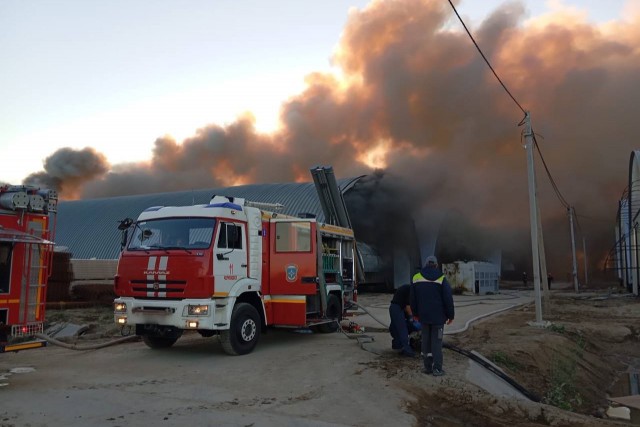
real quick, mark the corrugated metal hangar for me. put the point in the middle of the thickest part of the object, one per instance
(88, 228)
(625, 255)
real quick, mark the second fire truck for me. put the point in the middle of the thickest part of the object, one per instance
(27, 227)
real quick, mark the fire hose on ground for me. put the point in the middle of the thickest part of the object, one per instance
(59, 343)
(482, 362)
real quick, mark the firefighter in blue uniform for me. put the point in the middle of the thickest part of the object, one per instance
(432, 302)
(400, 314)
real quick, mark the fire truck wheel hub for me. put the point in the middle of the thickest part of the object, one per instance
(248, 330)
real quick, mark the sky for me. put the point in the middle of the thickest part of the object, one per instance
(114, 98)
(116, 75)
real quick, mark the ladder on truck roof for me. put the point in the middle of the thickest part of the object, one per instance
(331, 200)
(333, 206)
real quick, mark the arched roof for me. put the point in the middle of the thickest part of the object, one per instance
(89, 227)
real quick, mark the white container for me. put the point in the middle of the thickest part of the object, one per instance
(475, 277)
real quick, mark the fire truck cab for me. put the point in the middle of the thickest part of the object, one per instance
(27, 219)
(232, 269)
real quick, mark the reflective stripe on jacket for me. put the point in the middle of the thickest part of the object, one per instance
(418, 277)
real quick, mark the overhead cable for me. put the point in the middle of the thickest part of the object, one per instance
(551, 180)
(485, 58)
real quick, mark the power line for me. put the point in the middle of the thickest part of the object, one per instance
(551, 180)
(485, 58)
(556, 190)
(577, 222)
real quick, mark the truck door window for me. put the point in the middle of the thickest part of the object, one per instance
(230, 236)
(293, 237)
(5, 266)
(200, 238)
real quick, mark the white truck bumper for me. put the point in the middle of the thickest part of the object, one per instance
(208, 314)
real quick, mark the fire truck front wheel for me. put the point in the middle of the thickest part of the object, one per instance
(244, 330)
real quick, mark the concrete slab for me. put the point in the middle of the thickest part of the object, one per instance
(65, 330)
(487, 380)
(630, 401)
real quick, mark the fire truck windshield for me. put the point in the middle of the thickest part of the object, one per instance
(173, 233)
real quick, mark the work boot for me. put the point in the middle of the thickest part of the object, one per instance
(438, 372)
(395, 344)
(408, 352)
(428, 363)
(427, 371)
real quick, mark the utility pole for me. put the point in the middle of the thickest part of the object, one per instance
(574, 273)
(584, 251)
(634, 258)
(543, 268)
(533, 213)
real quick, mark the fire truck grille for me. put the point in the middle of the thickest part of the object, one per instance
(159, 288)
(27, 330)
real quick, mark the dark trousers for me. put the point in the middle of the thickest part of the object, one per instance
(432, 346)
(398, 328)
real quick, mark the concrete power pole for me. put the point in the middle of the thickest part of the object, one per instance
(543, 268)
(574, 273)
(584, 251)
(533, 213)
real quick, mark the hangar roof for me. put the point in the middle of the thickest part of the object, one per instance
(89, 227)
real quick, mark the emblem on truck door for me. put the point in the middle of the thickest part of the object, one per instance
(292, 272)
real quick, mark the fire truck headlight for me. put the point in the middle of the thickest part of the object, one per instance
(121, 320)
(120, 307)
(198, 310)
(192, 324)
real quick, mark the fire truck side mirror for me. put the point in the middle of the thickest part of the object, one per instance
(125, 223)
(124, 227)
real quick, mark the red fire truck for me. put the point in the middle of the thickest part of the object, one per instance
(231, 268)
(27, 228)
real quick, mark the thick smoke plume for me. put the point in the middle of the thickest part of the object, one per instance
(68, 170)
(415, 95)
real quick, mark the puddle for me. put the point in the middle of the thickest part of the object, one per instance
(4, 377)
(22, 370)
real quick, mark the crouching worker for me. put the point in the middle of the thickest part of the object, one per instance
(432, 301)
(400, 312)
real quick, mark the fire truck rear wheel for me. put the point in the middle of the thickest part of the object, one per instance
(334, 310)
(244, 331)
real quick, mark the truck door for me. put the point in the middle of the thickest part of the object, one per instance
(230, 255)
(293, 269)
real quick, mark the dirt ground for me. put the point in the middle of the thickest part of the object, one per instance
(573, 365)
(591, 342)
